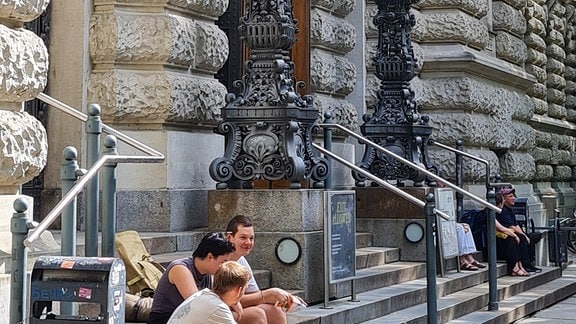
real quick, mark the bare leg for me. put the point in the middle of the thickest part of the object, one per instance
(274, 314)
(253, 315)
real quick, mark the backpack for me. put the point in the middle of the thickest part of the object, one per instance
(142, 273)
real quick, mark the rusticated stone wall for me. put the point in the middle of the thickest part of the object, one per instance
(550, 39)
(23, 74)
(332, 75)
(472, 83)
(153, 67)
(154, 61)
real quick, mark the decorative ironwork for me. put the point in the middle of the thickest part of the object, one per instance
(41, 27)
(396, 123)
(268, 128)
(232, 69)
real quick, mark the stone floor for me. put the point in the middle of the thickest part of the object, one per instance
(563, 312)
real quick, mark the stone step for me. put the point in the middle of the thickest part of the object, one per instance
(397, 295)
(372, 256)
(459, 294)
(527, 302)
(471, 299)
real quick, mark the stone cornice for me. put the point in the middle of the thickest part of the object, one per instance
(462, 59)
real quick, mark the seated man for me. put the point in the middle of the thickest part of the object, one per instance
(185, 276)
(507, 218)
(213, 306)
(256, 306)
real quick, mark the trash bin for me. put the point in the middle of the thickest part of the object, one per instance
(94, 284)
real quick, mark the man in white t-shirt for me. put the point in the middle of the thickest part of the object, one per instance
(256, 306)
(213, 306)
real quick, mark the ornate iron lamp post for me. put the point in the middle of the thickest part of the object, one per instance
(268, 129)
(396, 123)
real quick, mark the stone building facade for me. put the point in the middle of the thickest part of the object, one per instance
(498, 75)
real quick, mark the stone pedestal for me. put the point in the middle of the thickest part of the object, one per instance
(168, 196)
(385, 214)
(276, 214)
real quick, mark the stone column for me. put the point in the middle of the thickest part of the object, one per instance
(153, 75)
(24, 69)
(333, 73)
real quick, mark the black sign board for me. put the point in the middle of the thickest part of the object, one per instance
(340, 230)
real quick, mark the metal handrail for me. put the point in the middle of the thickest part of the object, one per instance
(388, 186)
(105, 128)
(468, 155)
(415, 166)
(153, 157)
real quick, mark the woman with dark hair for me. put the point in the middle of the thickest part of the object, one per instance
(184, 277)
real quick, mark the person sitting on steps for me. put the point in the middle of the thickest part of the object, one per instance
(213, 305)
(466, 247)
(184, 277)
(511, 246)
(508, 219)
(256, 306)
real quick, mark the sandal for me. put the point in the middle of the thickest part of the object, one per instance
(468, 266)
(520, 273)
(478, 264)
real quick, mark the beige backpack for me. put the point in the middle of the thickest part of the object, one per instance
(142, 273)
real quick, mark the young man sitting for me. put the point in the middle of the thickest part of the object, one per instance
(213, 306)
(257, 306)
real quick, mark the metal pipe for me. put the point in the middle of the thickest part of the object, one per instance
(105, 128)
(388, 186)
(459, 180)
(19, 228)
(492, 275)
(109, 199)
(93, 131)
(557, 238)
(415, 166)
(79, 186)
(328, 146)
(468, 155)
(62, 106)
(68, 175)
(130, 141)
(431, 297)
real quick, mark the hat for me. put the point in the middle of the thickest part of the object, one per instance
(507, 191)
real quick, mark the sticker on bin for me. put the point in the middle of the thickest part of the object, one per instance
(85, 293)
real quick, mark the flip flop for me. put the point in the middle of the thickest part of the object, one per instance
(520, 273)
(468, 266)
(478, 264)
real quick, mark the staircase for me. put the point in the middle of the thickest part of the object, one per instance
(393, 291)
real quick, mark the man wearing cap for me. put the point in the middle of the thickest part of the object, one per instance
(508, 219)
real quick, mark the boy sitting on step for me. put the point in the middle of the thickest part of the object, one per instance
(256, 306)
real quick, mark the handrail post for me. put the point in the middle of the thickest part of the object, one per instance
(328, 146)
(430, 260)
(109, 198)
(557, 238)
(459, 179)
(69, 171)
(492, 275)
(93, 131)
(19, 227)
